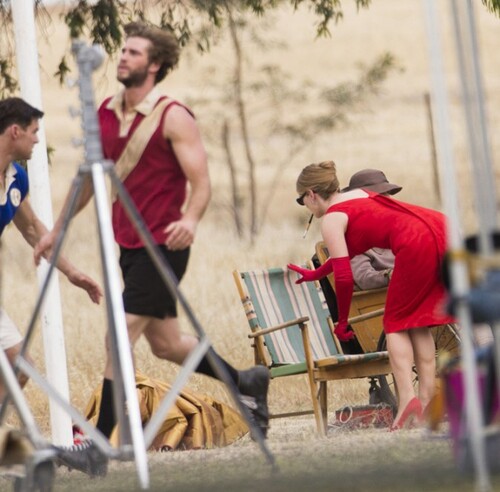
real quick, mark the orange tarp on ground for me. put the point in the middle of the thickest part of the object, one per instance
(194, 422)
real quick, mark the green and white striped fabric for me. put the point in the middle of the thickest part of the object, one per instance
(275, 298)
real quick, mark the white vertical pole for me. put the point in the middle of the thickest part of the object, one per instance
(460, 283)
(475, 117)
(53, 337)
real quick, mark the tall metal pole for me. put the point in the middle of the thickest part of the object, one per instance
(475, 118)
(477, 132)
(459, 274)
(52, 326)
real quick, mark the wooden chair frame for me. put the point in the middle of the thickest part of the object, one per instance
(320, 370)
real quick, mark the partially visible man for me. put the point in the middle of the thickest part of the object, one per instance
(158, 152)
(18, 135)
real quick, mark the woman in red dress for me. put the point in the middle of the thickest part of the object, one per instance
(358, 220)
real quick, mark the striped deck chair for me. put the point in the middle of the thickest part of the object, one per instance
(292, 334)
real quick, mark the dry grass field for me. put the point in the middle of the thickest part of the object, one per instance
(391, 134)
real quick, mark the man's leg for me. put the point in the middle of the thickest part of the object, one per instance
(169, 343)
(12, 354)
(11, 342)
(106, 420)
(85, 455)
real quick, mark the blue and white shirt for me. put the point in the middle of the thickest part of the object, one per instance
(16, 189)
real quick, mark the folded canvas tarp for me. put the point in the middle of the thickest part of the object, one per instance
(194, 422)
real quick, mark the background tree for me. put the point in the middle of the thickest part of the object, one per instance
(101, 21)
(192, 20)
(201, 22)
(271, 109)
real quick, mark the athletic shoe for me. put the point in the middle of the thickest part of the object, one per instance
(253, 385)
(78, 435)
(85, 457)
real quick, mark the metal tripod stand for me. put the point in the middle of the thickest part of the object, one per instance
(39, 465)
(473, 102)
(134, 441)
(39, 469)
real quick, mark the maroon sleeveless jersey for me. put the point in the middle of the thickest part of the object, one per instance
(157, 184)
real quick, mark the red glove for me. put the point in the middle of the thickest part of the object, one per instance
(310, 275)
(344, 285)
(342, 332)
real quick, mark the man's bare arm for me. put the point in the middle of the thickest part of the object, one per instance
(45, 243)
(32, 229)
(181, 129)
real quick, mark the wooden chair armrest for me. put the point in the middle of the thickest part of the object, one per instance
(265, 331)
(363, 292)
(364, 317)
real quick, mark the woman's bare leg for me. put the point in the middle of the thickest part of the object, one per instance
(399, 346)
(424, 351)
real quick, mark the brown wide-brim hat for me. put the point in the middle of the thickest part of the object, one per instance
(373, 180)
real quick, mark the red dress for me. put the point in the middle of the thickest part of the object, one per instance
(417, 237)
(157, 183)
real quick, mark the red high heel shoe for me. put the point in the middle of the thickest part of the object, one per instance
(411, 414)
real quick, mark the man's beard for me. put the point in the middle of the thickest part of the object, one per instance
(134, 79)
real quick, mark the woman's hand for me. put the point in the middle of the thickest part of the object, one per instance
(343, 333)
(307, 275)
(311, 275)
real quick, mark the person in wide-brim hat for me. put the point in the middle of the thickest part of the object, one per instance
(373, 180)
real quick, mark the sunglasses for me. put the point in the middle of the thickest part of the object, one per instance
(300, 200)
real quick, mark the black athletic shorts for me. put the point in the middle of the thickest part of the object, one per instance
(145, 293)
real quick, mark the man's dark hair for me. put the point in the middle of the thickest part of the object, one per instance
(16, 111)
(164, 48)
